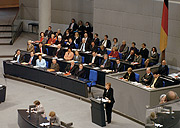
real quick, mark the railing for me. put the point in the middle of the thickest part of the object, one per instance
(16, 28)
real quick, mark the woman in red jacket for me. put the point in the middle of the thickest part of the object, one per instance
(114, 53)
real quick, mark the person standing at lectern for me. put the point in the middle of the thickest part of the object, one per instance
(108, 95)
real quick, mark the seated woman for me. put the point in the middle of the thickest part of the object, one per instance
(77, 57)
(39, 108)
(43, 39)
(114, 53)
(77, 39)
(69, 55)
(138, 59)
(54, 119)
(52, 40)
(134, 47)
(115, 44)
(40, 62)
(154, 57)
(130, 75)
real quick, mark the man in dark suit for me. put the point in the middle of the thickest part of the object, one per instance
(94, 61)
(84, 46)
(106, 43)
(80, 72)
(32, 59)
(72, 26)
(147, 78)
(108, 95)
(102, 50)
(163, 68)
(144, 52)
(70, 43)
(48, 32)
(157, 82)
(18, 56)
(130, 75)
(71, 68)
(93, 47)
(130, 57)
(96, 39)
(118, 67)
(59, 53)
(106, 63)
(87, 39)
(41, 49)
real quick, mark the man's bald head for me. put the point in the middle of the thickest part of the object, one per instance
(171, 95)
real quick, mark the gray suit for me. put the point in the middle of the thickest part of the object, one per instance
(138, 59)
(78, 58)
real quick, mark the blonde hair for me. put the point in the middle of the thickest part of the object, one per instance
(52, 114)
(109, 84)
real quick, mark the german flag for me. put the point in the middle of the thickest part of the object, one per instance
(164, 28)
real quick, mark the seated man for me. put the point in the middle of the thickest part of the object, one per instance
(69, 55)
(138, 59)
(80, 72)
(94, 61)
(70, 43)
(18, 56)
(59, 53)
(71, 68)
(54, 119)
(118, 67)
(163, 68)
(130, 75)
(171, 95)
(41, 48)
(93, 47)
(30, 46)
(106, 63)
(147, 78)
(124, 49)
(130, 57)
(54, 65)
(102, 50)
(40, 62)
(157, 82)
(106, 43)
(48, 32)
(32, 59)
(84, 46)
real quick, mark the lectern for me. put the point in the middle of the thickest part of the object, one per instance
(97, 112)
(2, 93)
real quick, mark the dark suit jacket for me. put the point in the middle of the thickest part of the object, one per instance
(74, 27)
(131, 77)
(96, 61)
(108, 45)
(33, 62)
(72, 45)
(80, 74)
(102, 52)
(43, 50)
(68, 68)
(148, 78)
(96, 41)
(144, 53)
(163, 70)
(133, 48)
(93, 49)
(131, 58)
(86, 46)
(78, 40)
(158, 84)
(89, 41)
(118, 69)
(21, 58)
(107, 65)
(59, 54)
(48, 34)
(109, 95)
(60, 42)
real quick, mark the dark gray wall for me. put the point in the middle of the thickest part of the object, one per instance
(62, 10)
(139, 21)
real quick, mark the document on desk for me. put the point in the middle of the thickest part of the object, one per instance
(158, 125)
(96, 68)
(45, 124)
(106, 70)
(35, 66)
(87, 52)
(59, 73)
(13, 61)
(60, 59)
(85, 64)
(54, 46)
(43, 55)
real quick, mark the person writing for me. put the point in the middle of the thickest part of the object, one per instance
(54, 119)
(39, 108)
(108, 95)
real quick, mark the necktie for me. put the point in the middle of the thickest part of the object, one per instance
(104, 63)
(40, 50)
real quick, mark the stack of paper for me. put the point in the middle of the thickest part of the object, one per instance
(59, 72)
(60, 59)
(13, 61)
(158, 125)
(35, 66)
(103, 100)
(45, 124)
(85, 64)
(106, 70)
(96, 68)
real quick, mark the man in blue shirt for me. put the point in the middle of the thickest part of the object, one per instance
(41, 62)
